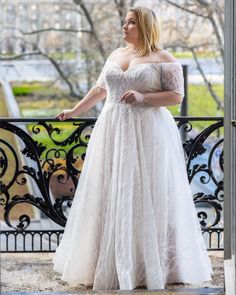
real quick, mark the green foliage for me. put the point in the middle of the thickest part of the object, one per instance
(27, 89)
(37, 89)
(200, 103)
(63, 56)
(44, 107)
(46, 101)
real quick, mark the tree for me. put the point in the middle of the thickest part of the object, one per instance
(197, 16)
(99, 36)
(100, 33)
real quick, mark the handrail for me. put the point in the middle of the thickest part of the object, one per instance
(50, 119)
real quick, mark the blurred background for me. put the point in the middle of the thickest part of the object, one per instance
(51, 52)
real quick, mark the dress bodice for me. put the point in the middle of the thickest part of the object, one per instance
(143, 77)
(125, 226)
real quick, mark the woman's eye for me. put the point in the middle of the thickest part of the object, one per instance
(130, 22)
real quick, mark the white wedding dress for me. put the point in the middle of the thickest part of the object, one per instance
(133, 221)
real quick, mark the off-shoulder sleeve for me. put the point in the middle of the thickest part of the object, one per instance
(101, 81)
(172, 77)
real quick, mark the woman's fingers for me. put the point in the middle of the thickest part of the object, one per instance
(60, 116)
(63, 115)
(125, 96)
(132, 96)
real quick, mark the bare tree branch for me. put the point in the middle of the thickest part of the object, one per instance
(213, 14)
(61, 73)
(210, 16)
(218, 101)
(47, 30)
(121, 6)
(91, 24)
(19, 56)
(193, 49)
(220, 15)
(53, 62)
(56, 30)
(217, 33)
(186, 9)
(64, 8)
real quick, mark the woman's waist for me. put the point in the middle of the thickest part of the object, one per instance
(142, 111)
(124, 105)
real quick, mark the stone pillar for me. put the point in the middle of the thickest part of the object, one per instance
(230, 147)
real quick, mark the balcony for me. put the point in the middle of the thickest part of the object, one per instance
(40, 164)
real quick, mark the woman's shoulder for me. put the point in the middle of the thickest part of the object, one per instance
(165, 56)
(117, 51)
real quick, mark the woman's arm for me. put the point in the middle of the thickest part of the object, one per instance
(94, 95)
(159, 99)
(162, 98)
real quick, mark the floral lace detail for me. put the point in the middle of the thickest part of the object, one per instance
(172, 77)
(101, 82)
(133, 221)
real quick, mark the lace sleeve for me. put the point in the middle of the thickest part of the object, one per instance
(101, 82)
(172, 77)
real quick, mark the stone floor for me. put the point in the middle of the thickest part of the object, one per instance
(165, 292)
(26, 273)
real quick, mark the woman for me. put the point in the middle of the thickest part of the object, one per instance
(133, 222)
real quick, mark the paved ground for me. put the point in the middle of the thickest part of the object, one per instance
(33, 273)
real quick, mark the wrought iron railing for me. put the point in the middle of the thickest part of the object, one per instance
(41, 166)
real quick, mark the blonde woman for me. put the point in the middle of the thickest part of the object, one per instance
(133, 222)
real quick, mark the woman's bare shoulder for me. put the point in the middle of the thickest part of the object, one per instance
(117, 51)
(165, 56)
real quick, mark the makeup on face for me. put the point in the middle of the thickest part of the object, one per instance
(126, 24)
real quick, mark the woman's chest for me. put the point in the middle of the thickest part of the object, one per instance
(145, 76)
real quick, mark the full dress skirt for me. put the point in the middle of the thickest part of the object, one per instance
(133, 221)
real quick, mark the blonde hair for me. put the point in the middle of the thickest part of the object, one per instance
(149, 30)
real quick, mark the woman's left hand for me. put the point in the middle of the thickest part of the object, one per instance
(131, 96)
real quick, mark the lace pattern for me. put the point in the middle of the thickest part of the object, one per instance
(172, 77)
(132, 220)
(168, 75)
(101, 82)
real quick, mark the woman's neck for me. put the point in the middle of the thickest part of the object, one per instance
(132, 49)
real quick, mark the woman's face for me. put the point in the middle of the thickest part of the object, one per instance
(130, 29)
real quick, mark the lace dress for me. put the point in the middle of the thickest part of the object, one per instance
(133, 221)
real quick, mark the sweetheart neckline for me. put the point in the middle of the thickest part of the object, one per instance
(143, 63)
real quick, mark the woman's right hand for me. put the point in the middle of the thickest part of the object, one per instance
(66, 114)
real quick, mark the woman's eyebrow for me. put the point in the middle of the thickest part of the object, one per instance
(130, 19)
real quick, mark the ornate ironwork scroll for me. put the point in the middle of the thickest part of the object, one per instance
(53, 153)
(54, 161)
(205, 168)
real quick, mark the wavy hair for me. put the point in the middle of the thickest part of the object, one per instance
(149, 30)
